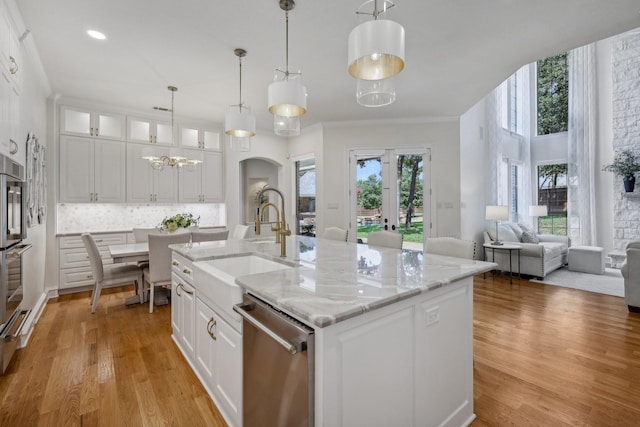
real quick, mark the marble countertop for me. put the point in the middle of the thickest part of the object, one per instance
(333, 280)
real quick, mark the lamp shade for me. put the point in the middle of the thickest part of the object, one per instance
(239, 123)
(538, 210)
(376, 50)
(287, 98)
(496, 213)
(376, 93)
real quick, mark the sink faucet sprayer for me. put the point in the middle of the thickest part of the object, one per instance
(280, 226)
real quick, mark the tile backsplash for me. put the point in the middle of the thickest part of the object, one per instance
(94, 217)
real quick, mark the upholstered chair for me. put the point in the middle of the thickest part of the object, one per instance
(208, 236)
(335, 233)
(111, 275)
(159, 271)
(241, 231)
(385, 239)
(450, 246)
(141, 234)
(631, 274)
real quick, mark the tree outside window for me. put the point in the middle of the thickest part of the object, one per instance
(552, 192)
(553, 94)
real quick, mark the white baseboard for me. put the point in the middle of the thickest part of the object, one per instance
(30, 323)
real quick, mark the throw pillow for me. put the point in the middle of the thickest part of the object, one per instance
(517, 230)
(529, 237)
(526, 227)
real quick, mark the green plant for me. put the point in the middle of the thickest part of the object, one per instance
(625, 164)
(184, 220)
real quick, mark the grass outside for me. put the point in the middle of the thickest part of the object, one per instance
(553, 224)
(413, 234)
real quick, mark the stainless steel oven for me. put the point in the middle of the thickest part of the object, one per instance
(12, 202)
(13, 230)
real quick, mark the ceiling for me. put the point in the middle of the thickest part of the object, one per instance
(456, 50)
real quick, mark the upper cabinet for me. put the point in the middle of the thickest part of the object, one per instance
(10, 56)
(146, 184)
(204, 183)
(85, 122)
(198, 137)
(149, 131)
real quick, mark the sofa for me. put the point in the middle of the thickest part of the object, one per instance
(540, 254)
(631, 272)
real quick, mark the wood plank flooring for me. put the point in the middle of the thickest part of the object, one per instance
(543, 356)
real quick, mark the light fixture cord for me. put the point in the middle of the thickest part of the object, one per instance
(172, 137)
(240, 105)
(375, 10)
(286, 72)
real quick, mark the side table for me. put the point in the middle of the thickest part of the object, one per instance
(505, 247)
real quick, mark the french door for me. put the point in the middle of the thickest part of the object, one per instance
(388, 191)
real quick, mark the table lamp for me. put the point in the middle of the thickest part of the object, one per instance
(496, 213)
(536, 211)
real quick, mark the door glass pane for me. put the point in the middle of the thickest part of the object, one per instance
(212, 140)
(410, 180)
(139, 130)
(189, 137)
(164, 133)
(306, 197)
(77, 121)
(369, 195)
(110, 126)
(552, 192)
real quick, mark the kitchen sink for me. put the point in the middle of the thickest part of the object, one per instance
(215, 279)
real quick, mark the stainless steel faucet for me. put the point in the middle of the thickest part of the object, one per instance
(281, 228)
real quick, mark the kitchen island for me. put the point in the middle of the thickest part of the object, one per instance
(393, 329)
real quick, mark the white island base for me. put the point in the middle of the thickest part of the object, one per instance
(407, 364)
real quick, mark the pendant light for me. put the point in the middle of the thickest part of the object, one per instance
(375, 56)
(287, 97)
(176, 159)
(239, 123)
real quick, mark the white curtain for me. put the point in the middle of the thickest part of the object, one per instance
(494, 137)
(581, 212)
(526, 196)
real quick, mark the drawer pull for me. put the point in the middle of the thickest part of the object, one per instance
(181, 286)
(175, 263)
(210, 326)
(186, 271)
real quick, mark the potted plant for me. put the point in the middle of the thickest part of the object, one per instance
(626, 165)
(184, 220)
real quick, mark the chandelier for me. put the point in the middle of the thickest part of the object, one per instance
(239, 123)
(375, 56)
(180, 161)
(287, 97)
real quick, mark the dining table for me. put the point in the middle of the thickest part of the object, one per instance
(130, 253)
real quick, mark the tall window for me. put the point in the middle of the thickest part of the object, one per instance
(306, 197)
(552, 95)
(512, 102)
(552, 192)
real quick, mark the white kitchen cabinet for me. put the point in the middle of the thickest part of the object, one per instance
(73, 261)
(92, 170)
(86, 122)
(202, 138)
(10, 54)
(205, 183)
(145, 184)
(9, 113)
(149, 131)
(218, 360)
(183, 308)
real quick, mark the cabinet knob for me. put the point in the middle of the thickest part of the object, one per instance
(14, 65)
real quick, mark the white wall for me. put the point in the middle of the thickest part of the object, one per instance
(33, 118)
(442, 137)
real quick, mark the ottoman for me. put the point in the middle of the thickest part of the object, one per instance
(586, 259)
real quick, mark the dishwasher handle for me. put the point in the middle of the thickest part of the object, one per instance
(244, 309)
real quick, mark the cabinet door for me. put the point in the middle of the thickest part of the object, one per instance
(109, 175)
(212, 177)
(76, 169)
(163, 133)
(5, 108)
(109, 126)
(205, 350)
(139, 130)
(189, 179)
(75, 121)
(211, 140)
(176, 309)
(188, 301)
(229, 369)
(189, 137)
(139, 175)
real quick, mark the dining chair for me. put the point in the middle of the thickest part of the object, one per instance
(141, 235)
(335, 233)
(450, 246)
(241, 231)
(208, 236)
(158, 273)
(112, 275)
(385, 239)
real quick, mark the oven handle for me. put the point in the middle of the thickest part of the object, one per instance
(17, 253)
(16, 334)
(243, 310)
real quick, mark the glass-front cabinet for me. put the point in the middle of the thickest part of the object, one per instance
(197, 137)
(85, 122)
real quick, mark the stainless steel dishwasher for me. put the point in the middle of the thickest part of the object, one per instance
(278, 367)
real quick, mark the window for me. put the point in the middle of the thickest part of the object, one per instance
(306, 197)
(552, 192)
(512, 102)
(552, 95)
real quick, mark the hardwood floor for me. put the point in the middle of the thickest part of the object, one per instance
(117, 367)
(543, 356)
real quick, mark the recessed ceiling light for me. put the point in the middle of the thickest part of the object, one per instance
(96, 34)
